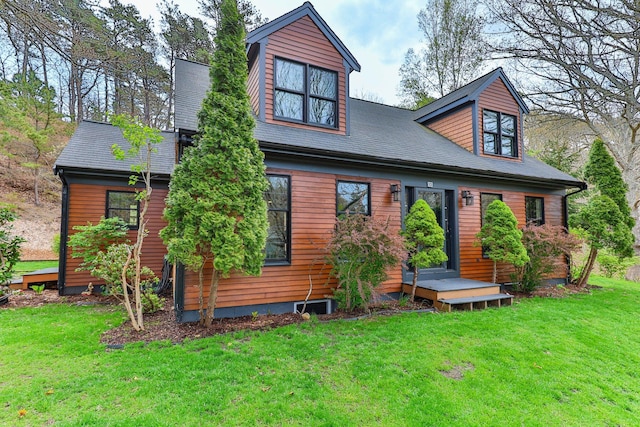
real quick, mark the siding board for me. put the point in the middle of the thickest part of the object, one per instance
(310, 233)
(88, 204)
(498, 98)
(456, 127)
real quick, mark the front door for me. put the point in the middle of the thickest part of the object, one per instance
(440, 202)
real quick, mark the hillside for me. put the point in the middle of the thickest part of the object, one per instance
(37, 224)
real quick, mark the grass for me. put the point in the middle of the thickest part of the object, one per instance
(23, 267)
(541, 362)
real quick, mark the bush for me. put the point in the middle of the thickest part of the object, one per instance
(360, 251)
(612, 265)
(9, 246)
(544, 244)
(55, 244)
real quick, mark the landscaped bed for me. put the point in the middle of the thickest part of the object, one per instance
(542, 361)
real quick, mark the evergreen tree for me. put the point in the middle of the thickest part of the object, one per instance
(606, 219)
(216, 213)
(602, 172)
(501, 238)
(424, 239)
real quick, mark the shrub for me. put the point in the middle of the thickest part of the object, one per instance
(612, 265)
(360, 251)
(9, 245)
(544, 244)
(500, 237)
(55, 244)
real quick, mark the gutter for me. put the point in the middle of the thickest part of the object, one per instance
(64, 235)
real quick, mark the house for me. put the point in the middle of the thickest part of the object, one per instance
(325, 151)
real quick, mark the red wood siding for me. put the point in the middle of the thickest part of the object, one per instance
(303, 41)
(457, 127)
(87, 203)
(498, 98)
(472, 264)
(313, 216)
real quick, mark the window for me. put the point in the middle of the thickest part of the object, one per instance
(305, 93)
(353, 198)
(123, 205)
(278, 198)
(534, 210)
(499, 134)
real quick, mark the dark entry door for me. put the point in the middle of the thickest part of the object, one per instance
(440, 202)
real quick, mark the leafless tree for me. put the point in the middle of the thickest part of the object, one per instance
(581, 59)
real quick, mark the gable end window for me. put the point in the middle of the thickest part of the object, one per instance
(353, 198)
(278, 198)
(499, 134)
(534, 210)
(304, 93)
(123, 205)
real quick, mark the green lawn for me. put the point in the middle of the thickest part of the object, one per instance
(23, 267)
(542, 362)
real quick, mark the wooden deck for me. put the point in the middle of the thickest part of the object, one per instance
(460, 294)
(46, 275)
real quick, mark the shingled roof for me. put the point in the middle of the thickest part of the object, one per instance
(90, 150)
(380, 134)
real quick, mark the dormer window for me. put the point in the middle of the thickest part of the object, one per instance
(499, 134)
(304, 93)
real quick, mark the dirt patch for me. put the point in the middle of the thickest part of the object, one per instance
(558, 291)
(457, 372)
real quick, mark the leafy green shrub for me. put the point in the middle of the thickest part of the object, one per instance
(151, 302)
(424, 240)
(55, 244)
(360, 251)
(544, 244)
(104, 249)
(9, 245)
(501, 238)
(613, 266)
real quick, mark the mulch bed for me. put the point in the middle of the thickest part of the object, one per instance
(162, 325)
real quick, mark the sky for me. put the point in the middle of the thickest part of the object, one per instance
(377, 32)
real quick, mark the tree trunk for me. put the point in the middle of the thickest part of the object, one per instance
(588, 267)
(495, 272)
(414, 284)
(213, 296)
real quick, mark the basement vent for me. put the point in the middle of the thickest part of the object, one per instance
(315, 307)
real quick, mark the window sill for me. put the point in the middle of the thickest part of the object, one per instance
(276, 263)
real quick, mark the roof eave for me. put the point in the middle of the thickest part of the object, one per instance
(306, 9)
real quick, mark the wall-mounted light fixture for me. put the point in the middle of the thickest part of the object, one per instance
(468, 198)
(395, 192)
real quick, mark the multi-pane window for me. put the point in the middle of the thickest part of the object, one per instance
(278, 198)
(534, 210)
(305, 93)
(499, 133)
(123, 205)
(353, 198)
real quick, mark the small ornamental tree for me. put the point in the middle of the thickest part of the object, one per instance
(544, 244)
(604, 227)
(215, 209)
(360, 251)
(500, 237)
(9, 246)
(424, 239)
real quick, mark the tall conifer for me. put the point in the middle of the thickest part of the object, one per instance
(216, 214)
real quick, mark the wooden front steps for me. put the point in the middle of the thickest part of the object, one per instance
(460, 294)
(46, 275)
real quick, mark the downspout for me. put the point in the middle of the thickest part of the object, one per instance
(64, 231)
(565, 207)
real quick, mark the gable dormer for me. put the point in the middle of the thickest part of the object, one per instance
(299, 73)
(484, 117)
